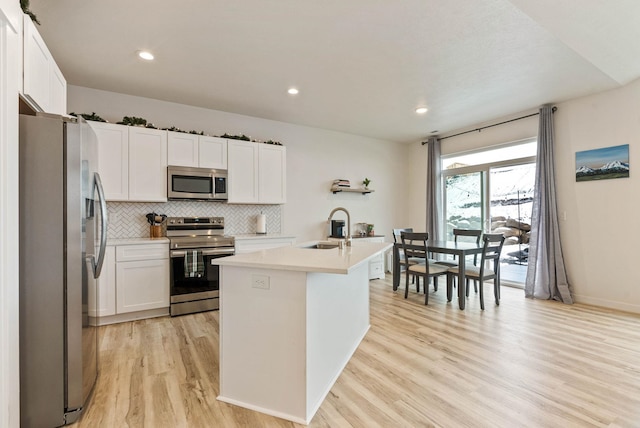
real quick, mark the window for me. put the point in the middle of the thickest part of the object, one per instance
(492, 190)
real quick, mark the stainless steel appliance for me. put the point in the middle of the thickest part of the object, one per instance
(196, 183)
(194, 243)
(337, 228)
(62, 216)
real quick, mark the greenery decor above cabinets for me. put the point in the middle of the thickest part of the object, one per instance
(196, 150)
(44, 86)
(257, 173)
(132, 162)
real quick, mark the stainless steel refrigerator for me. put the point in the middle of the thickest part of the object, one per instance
(62, 245)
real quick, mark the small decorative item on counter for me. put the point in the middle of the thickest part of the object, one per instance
(370, 231)
(366, 182)
(93, 116)
(155, 220)
(363, 229)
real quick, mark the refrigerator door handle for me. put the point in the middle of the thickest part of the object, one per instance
(97, 266)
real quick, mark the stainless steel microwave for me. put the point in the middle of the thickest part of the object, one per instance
(202, 184)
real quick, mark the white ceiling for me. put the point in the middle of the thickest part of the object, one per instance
(362, 66)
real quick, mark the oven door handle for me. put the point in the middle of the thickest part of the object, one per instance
(205, 252)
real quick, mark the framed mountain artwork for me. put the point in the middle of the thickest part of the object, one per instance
(603, 164)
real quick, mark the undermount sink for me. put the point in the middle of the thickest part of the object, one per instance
(325, 245)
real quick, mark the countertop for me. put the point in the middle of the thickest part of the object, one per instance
(299, 258)
(357, 237)
(262, 236)
(135, 241)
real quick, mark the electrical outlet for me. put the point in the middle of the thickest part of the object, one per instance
(260, 281)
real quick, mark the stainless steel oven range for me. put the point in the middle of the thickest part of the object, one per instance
(194, 243)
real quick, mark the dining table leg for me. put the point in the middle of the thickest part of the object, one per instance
(462, 286)
(396, 267)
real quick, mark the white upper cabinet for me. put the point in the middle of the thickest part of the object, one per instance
(257, 173)
(243, 172)
(272, 168)
(147, 164)
(182, 149)
(213, 152)
(113, 159)
(132, 162)
(197, 150)
(44, 85)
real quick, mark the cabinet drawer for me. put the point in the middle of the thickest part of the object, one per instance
(375, 269)
(127, 253)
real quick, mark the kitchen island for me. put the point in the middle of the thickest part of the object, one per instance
(290, 319)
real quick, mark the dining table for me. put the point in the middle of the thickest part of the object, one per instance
(459, 249)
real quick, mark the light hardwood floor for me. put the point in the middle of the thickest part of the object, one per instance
(527, 363)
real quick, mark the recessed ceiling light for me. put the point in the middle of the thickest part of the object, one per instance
(421, 110)
(146, 55)
(293, 91)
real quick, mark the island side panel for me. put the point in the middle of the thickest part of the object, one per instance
(262, 341)
(337, 321)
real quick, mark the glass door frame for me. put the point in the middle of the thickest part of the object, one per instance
(484, 169)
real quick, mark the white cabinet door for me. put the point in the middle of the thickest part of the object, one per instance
(113, 159)
(36, 66)
(147, 164)
(182, 149)
(243, 172)
(43, 82)
(272, 174)
(213, 152)
(104, 293)
(57, 90)
(142, 285)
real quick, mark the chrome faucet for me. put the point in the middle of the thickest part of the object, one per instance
(333, 211)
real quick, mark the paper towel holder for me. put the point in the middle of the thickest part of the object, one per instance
(261, 224)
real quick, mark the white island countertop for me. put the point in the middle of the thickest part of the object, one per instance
(303, 259)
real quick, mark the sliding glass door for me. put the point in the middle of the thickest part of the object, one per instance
(464, 202)
(493, 191)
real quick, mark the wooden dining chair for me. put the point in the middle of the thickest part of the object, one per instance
(467, 235)
(404, 262)
(414, 245)
(488, 269)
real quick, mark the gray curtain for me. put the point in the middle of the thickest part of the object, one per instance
(546, 275)
(434, 191)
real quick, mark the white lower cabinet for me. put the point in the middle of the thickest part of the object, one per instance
(142, 285)
(134, 283)
(376, 264)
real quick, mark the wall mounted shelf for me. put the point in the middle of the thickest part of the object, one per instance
(348, 189)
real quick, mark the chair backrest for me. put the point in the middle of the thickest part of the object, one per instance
(491, 253)
(474, 233)
(397, 232)
(414, 244)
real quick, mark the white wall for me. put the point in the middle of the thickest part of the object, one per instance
(599, 235)
(315, 157)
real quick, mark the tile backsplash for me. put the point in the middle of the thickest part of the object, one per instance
(127, 219)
